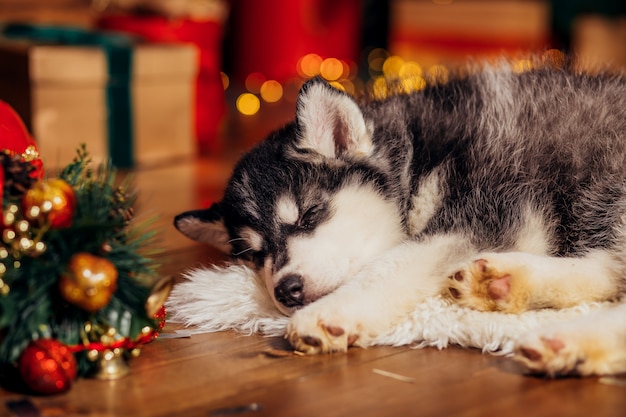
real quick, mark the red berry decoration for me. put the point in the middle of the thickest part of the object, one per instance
(89, 281)
(47, 366)
(55, 199)
(161, 317)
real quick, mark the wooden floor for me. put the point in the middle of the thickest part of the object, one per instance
(226, 374)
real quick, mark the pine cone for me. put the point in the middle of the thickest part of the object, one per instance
(17, 174)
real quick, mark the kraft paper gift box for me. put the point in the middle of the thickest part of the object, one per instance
(131, 106)
(204, 31)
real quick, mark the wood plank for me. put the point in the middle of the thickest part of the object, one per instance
(209, 374)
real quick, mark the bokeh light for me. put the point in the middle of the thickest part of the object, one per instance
(337, 85)
(348, 86)
(248, 104)
(225, 80)
(376, 58)
(412, 84)
(254, 82)
(522, 65)
(392, 66)
(332, 69)
(271, 91)
(410, 69)
(389, 74)
(438, 74)
(309, 65)
(380, 88)
(351, 70)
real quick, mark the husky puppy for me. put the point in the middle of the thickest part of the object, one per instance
(503, 190)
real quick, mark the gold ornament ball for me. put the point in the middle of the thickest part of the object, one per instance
(89, 281)
(55, 198)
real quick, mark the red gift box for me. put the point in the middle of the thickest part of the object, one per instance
(206, 35)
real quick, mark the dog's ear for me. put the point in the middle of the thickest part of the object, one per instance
(205, 226)
(330, 121)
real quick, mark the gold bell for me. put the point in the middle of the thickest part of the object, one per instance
(111, 365)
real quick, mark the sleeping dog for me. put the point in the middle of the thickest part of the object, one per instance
(503, 190)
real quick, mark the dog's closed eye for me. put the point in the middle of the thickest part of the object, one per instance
(312, 216)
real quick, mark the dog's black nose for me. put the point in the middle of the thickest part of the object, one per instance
(290, 291)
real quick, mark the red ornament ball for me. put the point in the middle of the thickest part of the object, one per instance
(47, 366)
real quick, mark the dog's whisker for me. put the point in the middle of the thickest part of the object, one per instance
(235, 239)
(241, 252)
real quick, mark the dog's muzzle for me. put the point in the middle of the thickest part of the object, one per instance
(290, 291)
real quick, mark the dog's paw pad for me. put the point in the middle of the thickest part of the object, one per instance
(483, 284)
(456, 294)
(550, 356)
(306, 343)
(327, 339)
(352, 339)
(311, 334)
(546, 347)
(334, 331)
(311, 342)
(458, 276)
(499, 288)
(529, 353)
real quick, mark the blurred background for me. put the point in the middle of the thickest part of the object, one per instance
(204, 77)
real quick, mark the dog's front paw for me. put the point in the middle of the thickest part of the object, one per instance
(582, 348)
(491, 283)
(549, 355)
(311, 332)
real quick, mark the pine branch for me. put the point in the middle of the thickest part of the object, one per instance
(101, 226)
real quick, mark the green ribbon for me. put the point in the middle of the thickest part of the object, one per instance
(118, 49)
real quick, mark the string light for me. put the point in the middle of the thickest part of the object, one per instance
(408, 76)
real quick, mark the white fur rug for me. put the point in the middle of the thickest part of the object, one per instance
(232, 298)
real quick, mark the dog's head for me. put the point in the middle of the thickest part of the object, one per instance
(309, 206)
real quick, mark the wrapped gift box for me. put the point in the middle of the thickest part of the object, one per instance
(205, 33)
(69, 95)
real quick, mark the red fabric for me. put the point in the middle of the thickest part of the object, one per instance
(14, 137)
(272, 35)
(206, 35)
(13, 133)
